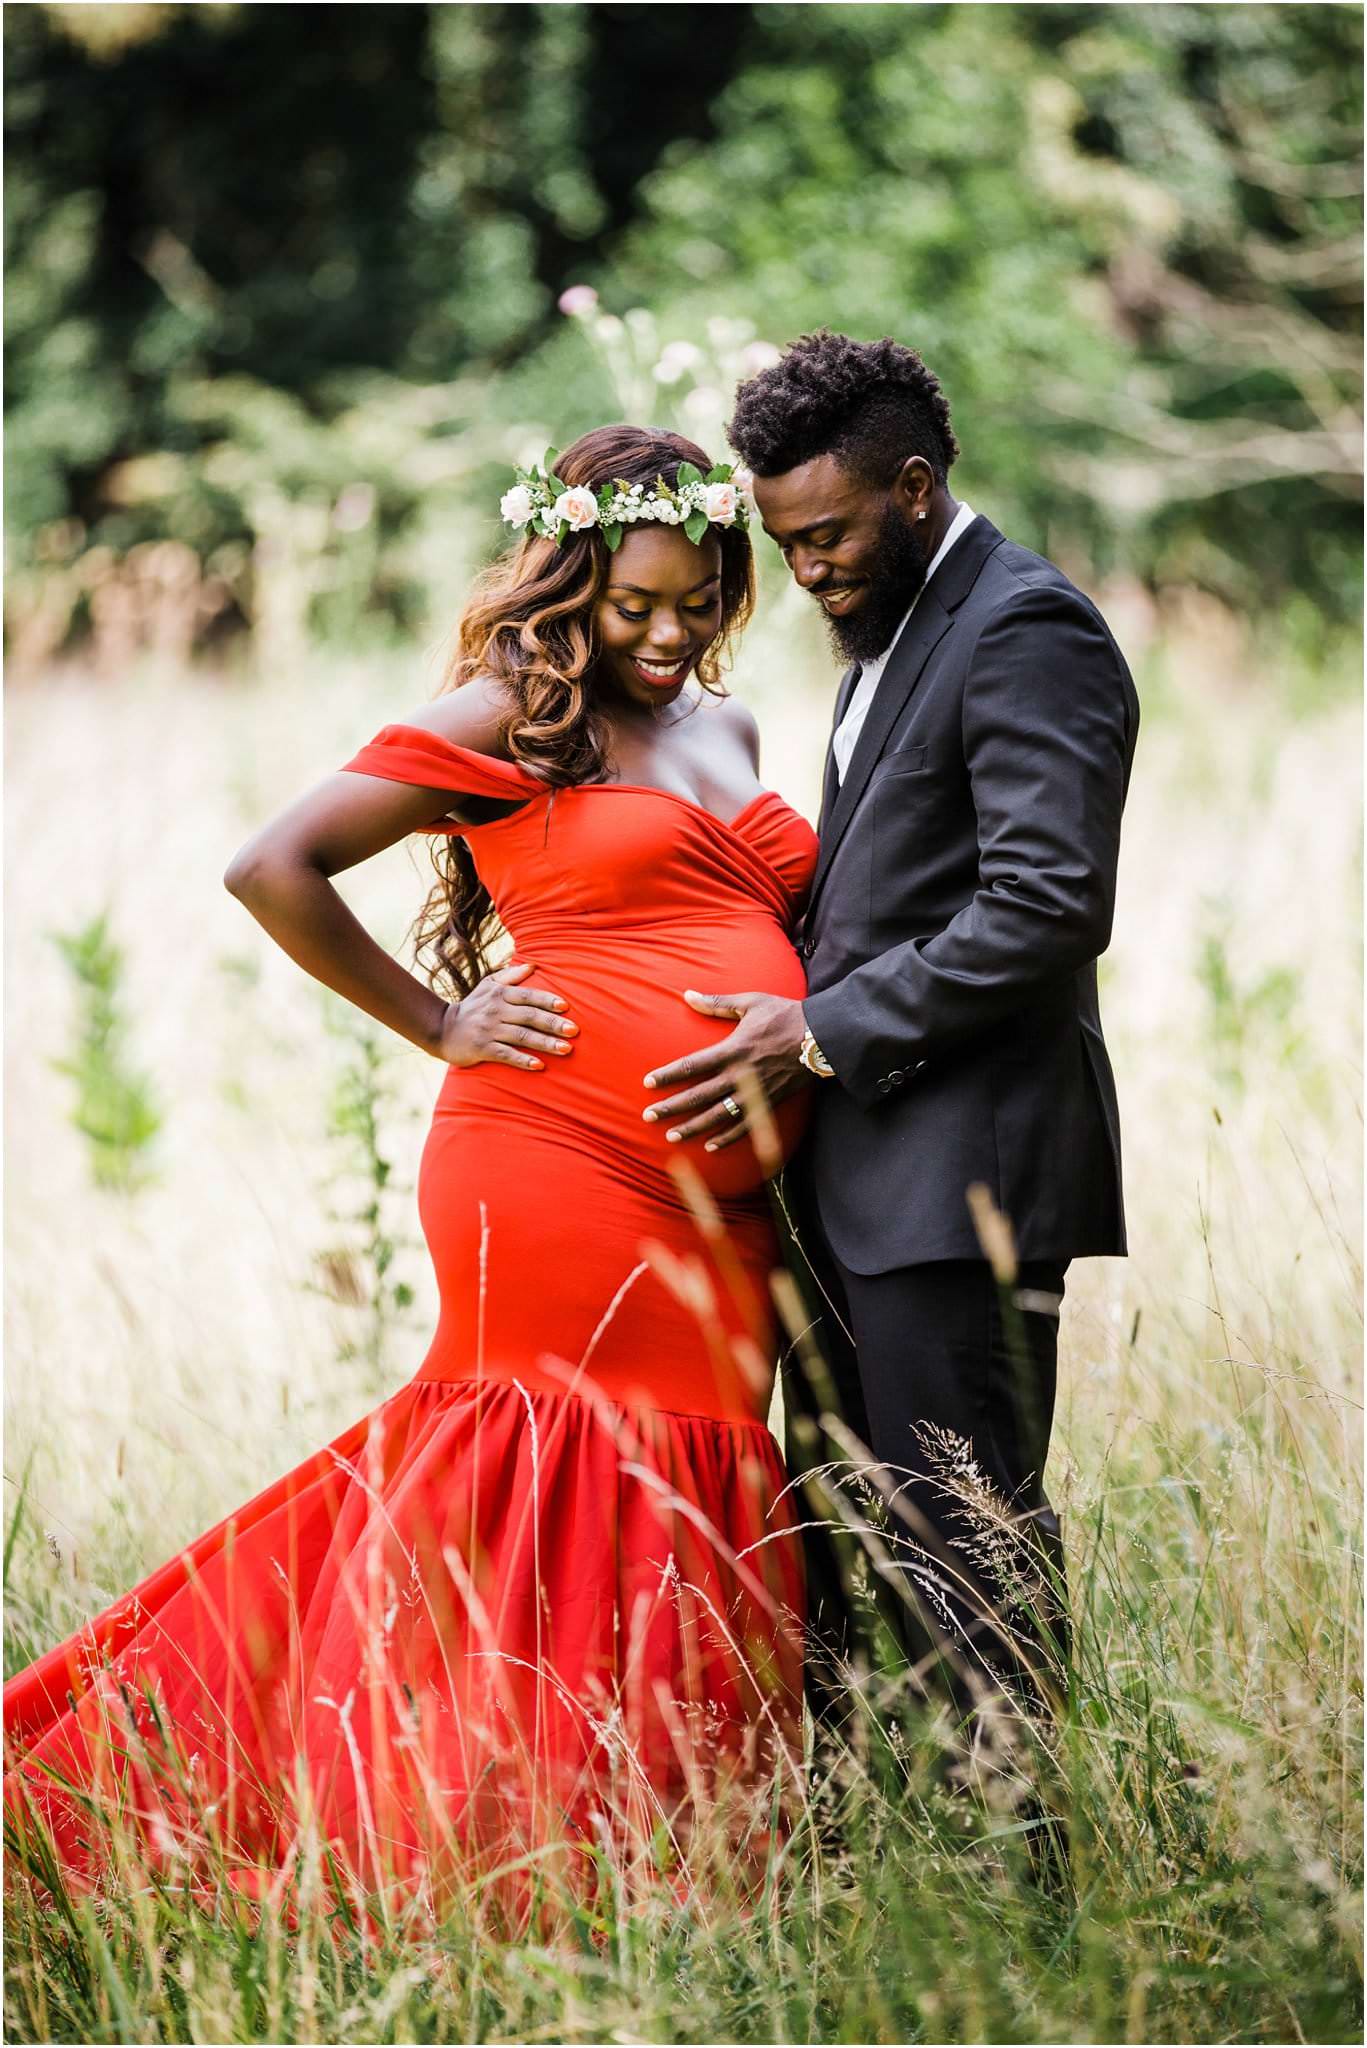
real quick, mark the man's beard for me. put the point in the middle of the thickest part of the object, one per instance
(896, 573)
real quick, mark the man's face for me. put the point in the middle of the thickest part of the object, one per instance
(855, 547)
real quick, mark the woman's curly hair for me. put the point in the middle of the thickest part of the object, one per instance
(871, 403)
(529, 624)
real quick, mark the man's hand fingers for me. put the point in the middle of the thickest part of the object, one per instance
(729, 1137)
(513, 971)
(694, 1066)
(711, 1123)
(691, 1104)
(718, 1006)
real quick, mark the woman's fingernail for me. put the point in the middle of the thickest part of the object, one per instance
(649, 1081)
(710, 1146)
(648, 1116)
(673, 1136)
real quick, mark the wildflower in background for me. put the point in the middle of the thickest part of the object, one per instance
(703, 403)
(355, 507)
(677, 358)
(577, 301)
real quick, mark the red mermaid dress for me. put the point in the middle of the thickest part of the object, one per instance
(550, 1589)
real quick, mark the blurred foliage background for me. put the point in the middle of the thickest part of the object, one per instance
(283, 305)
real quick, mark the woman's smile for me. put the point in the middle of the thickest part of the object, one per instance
(663, 675)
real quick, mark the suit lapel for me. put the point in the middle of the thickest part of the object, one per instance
(927, 626)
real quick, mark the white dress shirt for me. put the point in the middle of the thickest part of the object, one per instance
(857, 710)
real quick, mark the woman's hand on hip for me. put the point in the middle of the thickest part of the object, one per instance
(504, 1020)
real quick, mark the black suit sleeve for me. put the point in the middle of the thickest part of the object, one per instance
(1046, 739)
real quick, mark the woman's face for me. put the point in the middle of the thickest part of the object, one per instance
(658, 613)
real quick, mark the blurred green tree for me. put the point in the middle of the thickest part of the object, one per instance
(1127, 238)
(279, 296)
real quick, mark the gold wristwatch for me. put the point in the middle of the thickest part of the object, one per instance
(814, 1059)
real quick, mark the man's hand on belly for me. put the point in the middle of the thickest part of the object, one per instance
(767, 1040)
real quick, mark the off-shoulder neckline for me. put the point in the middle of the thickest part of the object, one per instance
(543, 788)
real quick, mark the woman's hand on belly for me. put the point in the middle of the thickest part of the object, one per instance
(505, 1021)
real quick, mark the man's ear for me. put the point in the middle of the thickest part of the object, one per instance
(914, 486)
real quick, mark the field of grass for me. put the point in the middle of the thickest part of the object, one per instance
(174, 1345)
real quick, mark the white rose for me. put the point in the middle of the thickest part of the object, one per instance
(577, 509)
(516, 505)
(720, 503)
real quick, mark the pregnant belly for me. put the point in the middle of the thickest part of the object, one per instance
(625, 992)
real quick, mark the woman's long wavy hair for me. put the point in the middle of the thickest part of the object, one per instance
(530, 623)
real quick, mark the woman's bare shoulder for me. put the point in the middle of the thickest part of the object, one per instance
(738, 719)
(475, 715)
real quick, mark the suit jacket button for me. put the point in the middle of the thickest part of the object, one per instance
(920, 1066)
(884, 1085)
(808, 948)
(897, 1075)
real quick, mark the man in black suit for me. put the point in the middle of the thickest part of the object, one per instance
(969, 832)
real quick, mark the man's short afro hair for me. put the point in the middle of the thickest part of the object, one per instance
(870, 403)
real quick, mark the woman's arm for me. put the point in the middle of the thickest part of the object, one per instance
(282, 876)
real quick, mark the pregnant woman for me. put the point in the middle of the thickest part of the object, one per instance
(550, 1591)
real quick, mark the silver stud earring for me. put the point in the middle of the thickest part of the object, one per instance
(920, 515)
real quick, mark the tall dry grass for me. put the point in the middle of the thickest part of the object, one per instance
(169, 1354)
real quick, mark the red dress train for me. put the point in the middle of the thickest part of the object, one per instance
(551, 1589)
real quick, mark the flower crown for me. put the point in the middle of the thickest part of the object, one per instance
(543, 507)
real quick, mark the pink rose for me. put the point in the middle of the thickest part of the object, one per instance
(577, 509)
(720, 503)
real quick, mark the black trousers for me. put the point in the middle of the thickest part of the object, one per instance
(947, 1380)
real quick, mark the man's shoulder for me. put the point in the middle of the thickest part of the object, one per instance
(1013, 567)
(1016, 579)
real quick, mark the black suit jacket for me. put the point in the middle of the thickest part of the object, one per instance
(963, 893)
